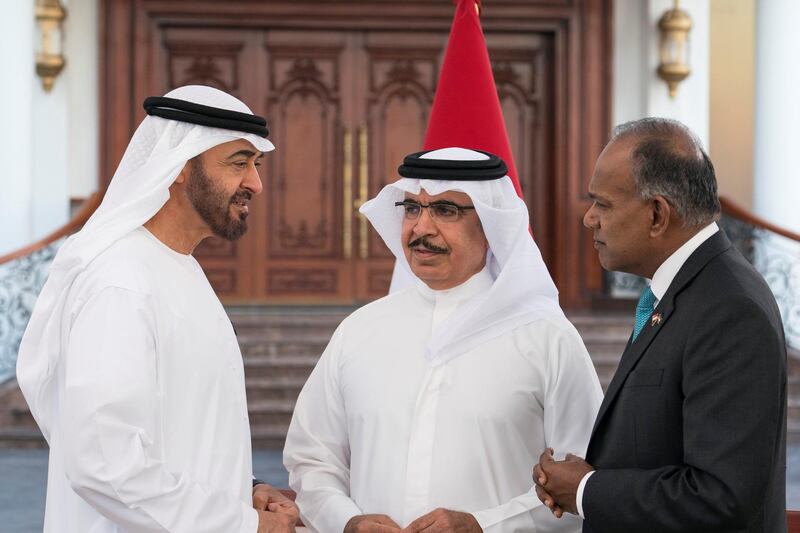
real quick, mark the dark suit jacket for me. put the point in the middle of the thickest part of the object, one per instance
(691, 435)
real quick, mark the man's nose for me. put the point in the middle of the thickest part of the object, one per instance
(425, 225)
(252, 181)
(589, 218)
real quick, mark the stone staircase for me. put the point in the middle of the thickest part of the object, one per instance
(280, 347)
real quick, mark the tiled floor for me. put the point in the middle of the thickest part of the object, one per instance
(23, 476)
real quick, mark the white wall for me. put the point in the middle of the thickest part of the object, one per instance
(50, 172)
(16, 130)
(777, 117)
(638, 91)
(81, 47)
(48, 141)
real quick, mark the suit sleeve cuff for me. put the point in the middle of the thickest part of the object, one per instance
(579, 495)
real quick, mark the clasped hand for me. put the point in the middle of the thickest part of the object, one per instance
(276, 512)
(437, 521)
(557, 481)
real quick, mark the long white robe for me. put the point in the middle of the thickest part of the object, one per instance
(151, 429)
(379, 429)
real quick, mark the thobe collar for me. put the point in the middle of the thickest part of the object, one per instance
(183, 259)
(448, 300)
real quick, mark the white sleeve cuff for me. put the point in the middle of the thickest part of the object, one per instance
(579, 495)
(249, 520)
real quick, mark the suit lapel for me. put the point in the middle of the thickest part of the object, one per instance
(713, 246)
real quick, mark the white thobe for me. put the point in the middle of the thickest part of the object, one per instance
(151, 428)
(379, 429)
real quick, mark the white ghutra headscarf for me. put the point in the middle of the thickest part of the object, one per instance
(155, 156)
(522, 291)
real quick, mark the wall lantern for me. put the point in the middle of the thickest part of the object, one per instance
(49, 60)
(674, 27)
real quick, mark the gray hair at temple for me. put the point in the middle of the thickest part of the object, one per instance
(669, 161)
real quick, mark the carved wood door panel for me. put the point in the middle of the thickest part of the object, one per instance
(302, 254)
(344, 108)
(380, 93)
(342, 79)
(226, 60)
(522, 65)
(395, 99)
(347, 90)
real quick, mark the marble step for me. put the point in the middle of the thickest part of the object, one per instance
(279, 367)
(301, 345)
(272, 413)
(286, 323)
(269, 436)
(274, 388)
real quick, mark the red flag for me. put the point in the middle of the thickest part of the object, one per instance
(466, 110)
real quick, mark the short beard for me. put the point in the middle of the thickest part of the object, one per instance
(213, 204)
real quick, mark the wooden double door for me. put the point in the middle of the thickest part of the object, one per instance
(345, 101)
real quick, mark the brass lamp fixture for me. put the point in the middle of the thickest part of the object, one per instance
(674, 27)
(49, 60)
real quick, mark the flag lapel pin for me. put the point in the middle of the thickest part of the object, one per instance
(655, 319)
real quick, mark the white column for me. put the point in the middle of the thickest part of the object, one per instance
(631, 71)
(81, 49)
(638, 91)
(51, 139)
(50, 172)
(48, 140)
(16, 131)
(777, 113)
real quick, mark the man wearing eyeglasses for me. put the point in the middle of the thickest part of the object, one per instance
(429, 406)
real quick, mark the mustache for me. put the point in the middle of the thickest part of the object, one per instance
(241, 195)
(422, 242)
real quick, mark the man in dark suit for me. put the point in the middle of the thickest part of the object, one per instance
(691, 434)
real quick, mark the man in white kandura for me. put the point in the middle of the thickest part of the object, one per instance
(129, 363)
(429, 407)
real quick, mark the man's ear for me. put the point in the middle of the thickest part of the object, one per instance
(660, 216)
(183, 175)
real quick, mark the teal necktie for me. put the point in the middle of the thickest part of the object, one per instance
(643, 310)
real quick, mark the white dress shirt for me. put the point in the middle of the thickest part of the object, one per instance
(379, 428)
(662, 279)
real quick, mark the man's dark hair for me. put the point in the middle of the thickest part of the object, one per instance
(669, 161)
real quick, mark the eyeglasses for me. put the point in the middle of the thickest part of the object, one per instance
(440, 211)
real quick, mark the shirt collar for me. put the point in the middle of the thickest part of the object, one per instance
(669, 268)
(477, 284)
(448, 300)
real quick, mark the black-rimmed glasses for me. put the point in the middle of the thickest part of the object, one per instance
(440, 211)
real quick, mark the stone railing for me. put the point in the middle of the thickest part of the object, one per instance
(773, 251)
(22, 275)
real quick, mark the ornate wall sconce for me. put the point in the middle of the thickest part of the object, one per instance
(49, 60)
(674, 27)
